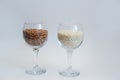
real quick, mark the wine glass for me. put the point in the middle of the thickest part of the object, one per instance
(70, 37)
(35, 35)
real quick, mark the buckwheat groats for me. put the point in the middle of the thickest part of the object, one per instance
(35, 37)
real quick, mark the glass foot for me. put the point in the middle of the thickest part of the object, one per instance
(36, 70)
(69, 73)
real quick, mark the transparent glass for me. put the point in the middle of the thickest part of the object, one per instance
(35, 35)
(70, 37)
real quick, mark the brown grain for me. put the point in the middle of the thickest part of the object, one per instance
(35, 37)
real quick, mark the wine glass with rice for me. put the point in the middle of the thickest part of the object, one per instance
(70, 37)
(35, 35)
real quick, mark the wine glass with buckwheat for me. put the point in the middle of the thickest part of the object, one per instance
(70, 38)
(35, 35)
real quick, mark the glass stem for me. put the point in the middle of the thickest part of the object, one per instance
(36, 50)
(69, 57)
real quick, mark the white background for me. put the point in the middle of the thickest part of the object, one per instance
(96, 59)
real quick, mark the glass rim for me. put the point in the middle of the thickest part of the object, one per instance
(74, 24)
(34, 23)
